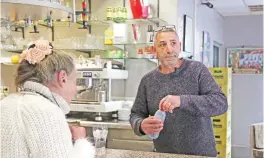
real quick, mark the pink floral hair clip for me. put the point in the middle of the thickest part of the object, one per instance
(38, 53)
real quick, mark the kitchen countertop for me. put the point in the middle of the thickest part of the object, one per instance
(110, 124)
(117, 153)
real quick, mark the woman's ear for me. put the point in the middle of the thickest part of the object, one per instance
(62, 77)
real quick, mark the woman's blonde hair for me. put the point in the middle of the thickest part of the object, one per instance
(44, 71)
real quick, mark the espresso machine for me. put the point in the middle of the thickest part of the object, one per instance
(94, 91)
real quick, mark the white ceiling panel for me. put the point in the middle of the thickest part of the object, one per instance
(234, 7)
(228, 3)
(254, 2)
(233, 10)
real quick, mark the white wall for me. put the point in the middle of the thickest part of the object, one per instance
(243, 31)
(247, 109)
(205, 19)
(247, 90)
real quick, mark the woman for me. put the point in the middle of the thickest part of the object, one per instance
(33, 122)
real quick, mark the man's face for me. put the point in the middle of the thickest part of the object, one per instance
(168, 48)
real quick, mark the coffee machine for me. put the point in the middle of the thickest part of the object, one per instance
(94, 91)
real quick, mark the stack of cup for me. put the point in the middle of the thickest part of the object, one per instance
(124, 114)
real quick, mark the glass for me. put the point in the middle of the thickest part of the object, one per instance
(166, 27)
(100, 135)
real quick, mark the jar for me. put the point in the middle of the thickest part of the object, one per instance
(119, 13)
(109, 13)
(124, 13)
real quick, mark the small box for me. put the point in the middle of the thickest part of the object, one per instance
(222, 122)
(223, 151)
(223, 137)
(227, 90)
(222, 75)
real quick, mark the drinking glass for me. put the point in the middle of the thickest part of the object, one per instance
(100, 135)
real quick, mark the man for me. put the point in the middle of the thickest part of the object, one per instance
(187, 92)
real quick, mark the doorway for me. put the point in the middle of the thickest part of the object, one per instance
(216, 54)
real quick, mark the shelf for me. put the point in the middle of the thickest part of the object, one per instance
(128, 58)
(79, 50)
(145, 21)
(134, 58)
(6, 61)
(41, 3)
(81, 12)
(128, 44)
(128, 21)
(38, 8)
(13, 50)
(89, 50)
(94, 23)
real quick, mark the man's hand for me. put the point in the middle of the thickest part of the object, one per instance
(169, 103)
(77, 132)
(151, 125)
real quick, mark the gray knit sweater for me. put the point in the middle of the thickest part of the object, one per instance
(188, 130)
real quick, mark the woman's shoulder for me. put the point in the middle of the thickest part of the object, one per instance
(29, 101)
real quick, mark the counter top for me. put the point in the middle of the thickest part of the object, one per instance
(110, 124)
(117, 153)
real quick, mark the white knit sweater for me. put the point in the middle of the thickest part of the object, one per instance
(33, 124)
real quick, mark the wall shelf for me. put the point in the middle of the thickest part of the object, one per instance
(128, 21)
(156, 61)
(36, 8)
(130, 44)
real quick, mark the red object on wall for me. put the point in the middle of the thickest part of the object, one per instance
(136, 8)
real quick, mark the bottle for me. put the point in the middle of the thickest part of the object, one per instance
(114, 14)
(84, 5)
(160, 115)
(150, 34)
(140, 53)
(145, 9)
(136, 8)
(125, 13)
(119, 14)
(109, 13)
(108, 37)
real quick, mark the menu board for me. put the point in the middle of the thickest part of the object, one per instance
(245, 60)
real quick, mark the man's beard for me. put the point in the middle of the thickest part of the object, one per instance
(171, 63)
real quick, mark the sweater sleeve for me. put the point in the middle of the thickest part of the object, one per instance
(48, 134)
(210, 102)
(139, 110)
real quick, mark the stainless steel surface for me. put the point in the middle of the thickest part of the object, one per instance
(101, 96)
(84, 102)
(19, 9)
(98, 117)
(91, 89)
(91, 116)
(114, 115)
(115, 124)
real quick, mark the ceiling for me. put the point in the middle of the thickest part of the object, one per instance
(237, 7)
